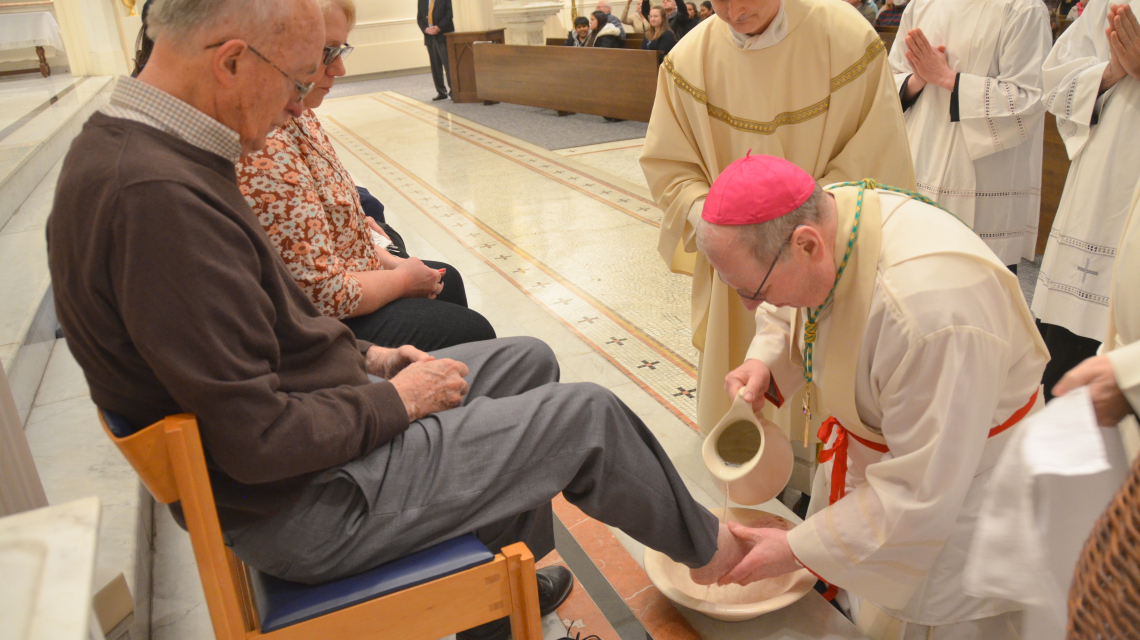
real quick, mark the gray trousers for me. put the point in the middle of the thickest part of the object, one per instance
(490, 466)
(437, 58)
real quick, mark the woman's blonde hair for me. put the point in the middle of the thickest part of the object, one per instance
(652, 32)
(348, 6)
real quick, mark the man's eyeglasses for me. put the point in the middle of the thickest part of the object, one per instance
(755, 295)
(332, 53)
(302, 88)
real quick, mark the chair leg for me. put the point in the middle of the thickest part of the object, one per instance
(526, 622)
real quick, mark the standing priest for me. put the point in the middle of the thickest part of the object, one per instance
(805, 80)
(1092, 85)
(919, 353)
(969, 76)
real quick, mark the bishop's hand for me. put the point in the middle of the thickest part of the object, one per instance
(928, 61)
(754, 378)
(769, 555)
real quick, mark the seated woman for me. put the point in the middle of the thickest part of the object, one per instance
(659, 37)
(311, 210)
(602, 33)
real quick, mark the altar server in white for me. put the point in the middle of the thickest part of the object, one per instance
(1092, 85)
(969, 76)
(917, 347)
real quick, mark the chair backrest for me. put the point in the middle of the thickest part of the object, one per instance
(146, 451)
(171, 463)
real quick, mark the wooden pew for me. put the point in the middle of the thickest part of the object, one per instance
(887, 35)
(566, 79)
(628, 42)
(1054, 170)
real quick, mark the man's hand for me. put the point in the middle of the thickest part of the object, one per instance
(1096, 373)
(420, 280)
(754, 377)
(928, 61)
(432, 30)
(431, 387)
(1124, 39)
(769, 557)
(386, 363)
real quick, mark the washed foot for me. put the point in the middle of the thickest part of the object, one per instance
(730, 550)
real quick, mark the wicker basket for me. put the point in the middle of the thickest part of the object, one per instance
(1104, 602)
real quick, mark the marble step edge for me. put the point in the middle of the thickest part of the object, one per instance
(25, 360)
(23, 178)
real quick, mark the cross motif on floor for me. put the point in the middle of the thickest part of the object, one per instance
(588, 319)
(619, 342)
(541, 285)
(564, 301)
(501, 257)
(681, 391)
(488, 245)
(643, 209)
(645, 364)
(472, 235)
(1085, 271)
(521, 270)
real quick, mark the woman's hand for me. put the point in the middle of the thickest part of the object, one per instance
(420, 280)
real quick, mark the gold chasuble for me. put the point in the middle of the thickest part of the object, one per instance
(814, 88)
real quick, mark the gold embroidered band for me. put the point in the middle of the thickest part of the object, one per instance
(787, 117)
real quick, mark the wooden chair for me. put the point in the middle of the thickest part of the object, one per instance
(433, 593)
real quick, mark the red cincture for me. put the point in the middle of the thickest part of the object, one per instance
(838, 451)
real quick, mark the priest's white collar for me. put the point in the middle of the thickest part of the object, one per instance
(773, 35)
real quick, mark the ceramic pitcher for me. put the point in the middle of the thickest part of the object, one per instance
(748, 456)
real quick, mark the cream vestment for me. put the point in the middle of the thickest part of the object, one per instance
(977, 151)
(926, 357)
(814, 88)
(1100, 135)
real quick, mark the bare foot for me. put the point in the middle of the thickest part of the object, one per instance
(730, 550)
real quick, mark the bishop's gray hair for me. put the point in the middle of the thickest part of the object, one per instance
(766, 239)
(180, 20)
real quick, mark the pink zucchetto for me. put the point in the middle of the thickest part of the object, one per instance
(756, 189)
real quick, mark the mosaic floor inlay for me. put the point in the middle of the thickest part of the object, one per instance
(513, 204)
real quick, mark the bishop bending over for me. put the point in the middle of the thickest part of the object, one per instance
(920, 354)
(805, 80)
(969, 77)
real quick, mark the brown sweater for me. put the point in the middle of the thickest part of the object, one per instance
(173, 300)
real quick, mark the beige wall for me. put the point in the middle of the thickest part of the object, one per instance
(386, 37)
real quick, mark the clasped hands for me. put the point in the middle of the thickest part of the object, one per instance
(426, 385)
(1123, 32)
(928, 62)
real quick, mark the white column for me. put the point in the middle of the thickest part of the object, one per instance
(92, 37)
(526, 21)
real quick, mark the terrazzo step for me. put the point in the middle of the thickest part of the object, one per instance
(39, 124)
(27, 315)
(76, 459)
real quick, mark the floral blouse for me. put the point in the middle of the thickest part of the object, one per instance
(308, 205)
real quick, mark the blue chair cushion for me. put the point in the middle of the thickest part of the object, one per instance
(281, 603)
(117, 424)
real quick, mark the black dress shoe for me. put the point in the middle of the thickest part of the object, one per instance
(442, 96)
(554, 586)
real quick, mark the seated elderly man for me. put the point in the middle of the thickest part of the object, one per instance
(917, 342)
(173, 300)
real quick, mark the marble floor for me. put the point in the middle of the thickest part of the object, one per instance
(560, 246)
